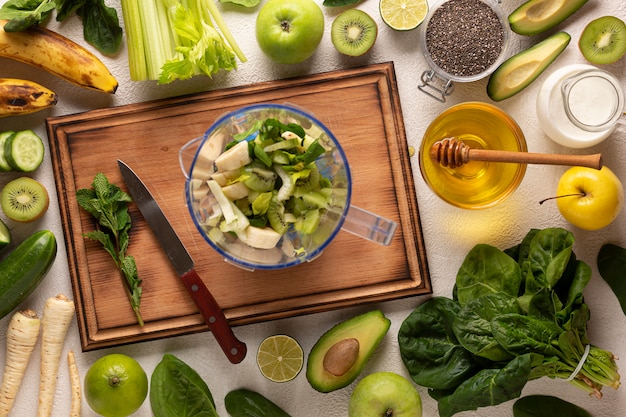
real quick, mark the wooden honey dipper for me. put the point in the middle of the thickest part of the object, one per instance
(454, 153)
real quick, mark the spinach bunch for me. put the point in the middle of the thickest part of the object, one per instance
(101, 26)
(514, 316)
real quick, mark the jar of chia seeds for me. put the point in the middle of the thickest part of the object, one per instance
(462, 41)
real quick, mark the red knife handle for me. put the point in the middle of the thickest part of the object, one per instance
(234, 349)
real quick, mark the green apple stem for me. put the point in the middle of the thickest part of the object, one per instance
(388, 413)
(581, 194)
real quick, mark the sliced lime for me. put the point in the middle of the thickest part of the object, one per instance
(280, 358)
(403, 14)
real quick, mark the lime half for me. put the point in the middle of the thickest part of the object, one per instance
(280, 358)
(403, 14)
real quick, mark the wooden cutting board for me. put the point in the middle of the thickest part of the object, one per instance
(362, 108)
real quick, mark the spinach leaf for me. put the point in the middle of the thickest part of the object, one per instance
(101, 26)
(429, 349)
(339, 3)
(487, 270)
(611, 263)
(178, 390)
(488, 387)
(22, 14)
(546, 406)
(549, 254)
(520, 334)
(472, 326)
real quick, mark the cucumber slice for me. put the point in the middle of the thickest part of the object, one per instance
(5, 235)
(4, 164)
(24, 151)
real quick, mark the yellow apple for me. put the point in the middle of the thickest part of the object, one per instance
(590, 198)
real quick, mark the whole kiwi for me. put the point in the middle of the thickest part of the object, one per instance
(353, 32)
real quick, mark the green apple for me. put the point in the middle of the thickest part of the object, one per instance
(289, 31)
(590, 198)
(385, 394)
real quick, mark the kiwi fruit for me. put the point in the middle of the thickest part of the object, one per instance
(276, 216)
(24, 199)
(259, 178)
(603, 40)
(353, 32)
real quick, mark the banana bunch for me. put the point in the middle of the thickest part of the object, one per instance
(22, 97)
(58, 55)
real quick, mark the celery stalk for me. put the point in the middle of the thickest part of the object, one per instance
(221, 24)
(176, 39)
(136, 52)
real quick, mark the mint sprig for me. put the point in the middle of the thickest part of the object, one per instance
(108, 204)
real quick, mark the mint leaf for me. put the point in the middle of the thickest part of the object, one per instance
(108, 204)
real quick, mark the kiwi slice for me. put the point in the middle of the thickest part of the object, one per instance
(24, 199)
(276, 216)
(603, 40)
(259, 178)
(353, 32)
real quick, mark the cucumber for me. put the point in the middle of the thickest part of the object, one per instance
(246, 403)
(24, 269)
(5, 235)
(24, 151)
(4, 164)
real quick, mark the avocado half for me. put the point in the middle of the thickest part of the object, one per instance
(537, 16)
(520, 70)
(368, 329)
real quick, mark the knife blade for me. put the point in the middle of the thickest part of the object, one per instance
(213, 315)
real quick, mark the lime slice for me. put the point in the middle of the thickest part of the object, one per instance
(403, 14)
(280, 358)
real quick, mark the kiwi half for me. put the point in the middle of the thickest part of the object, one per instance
(353, 32)
(603, 40)
(24, 199)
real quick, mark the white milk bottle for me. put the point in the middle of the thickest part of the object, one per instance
(579, 105)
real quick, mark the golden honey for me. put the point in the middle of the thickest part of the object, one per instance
(476, 184)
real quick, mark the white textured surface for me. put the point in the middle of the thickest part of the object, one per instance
(449, 232)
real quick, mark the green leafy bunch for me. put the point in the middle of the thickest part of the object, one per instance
(108, 204)
(101, 26)
(514, 316)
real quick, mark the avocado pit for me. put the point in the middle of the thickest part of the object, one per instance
(341, 356)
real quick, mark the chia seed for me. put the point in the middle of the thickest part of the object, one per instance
(464, 37)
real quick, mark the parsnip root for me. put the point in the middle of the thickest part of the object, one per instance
(74, 385)
(57, 316)
(22, 336)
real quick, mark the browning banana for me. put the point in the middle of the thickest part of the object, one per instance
(19, 97)
(52, 52)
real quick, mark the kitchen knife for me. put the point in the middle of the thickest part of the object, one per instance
(213, 315)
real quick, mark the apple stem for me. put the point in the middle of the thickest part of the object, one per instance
(388, 413)
(564, 195)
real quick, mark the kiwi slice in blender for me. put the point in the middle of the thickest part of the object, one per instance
(24, 199)
(603, 40)
(353, 32)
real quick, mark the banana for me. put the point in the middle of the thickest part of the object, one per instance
(234, 158)
(22, 97)
(260, 237)
(52, 52)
